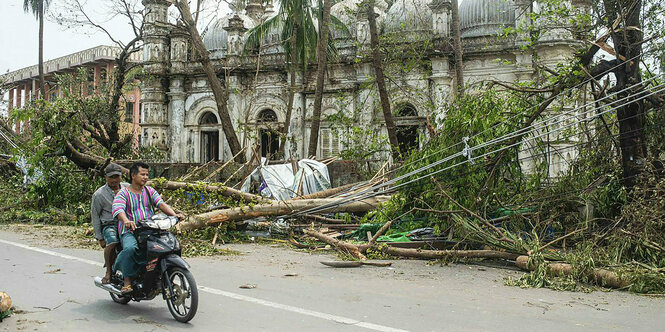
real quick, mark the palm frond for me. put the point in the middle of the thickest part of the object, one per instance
(258, 33)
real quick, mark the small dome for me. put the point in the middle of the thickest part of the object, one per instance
(215, 38)
(348, 11)
(485, 17)
(272, 40)
(409, 16)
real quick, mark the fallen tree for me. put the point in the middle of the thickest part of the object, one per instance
(359, 251)
(278, 208)
(226, 191)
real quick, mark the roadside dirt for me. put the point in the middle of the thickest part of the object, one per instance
(56, 236)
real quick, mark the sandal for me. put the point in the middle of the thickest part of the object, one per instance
(106, 280)
(126, 289)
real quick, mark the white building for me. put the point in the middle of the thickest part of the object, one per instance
(179, 112)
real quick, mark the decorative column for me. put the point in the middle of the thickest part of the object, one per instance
(11, 100)
(235, 29)
(154, 116)
(441, 17)
(362, 30)
(523, 56)
(177, 95)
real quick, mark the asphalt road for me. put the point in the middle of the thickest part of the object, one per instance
(54, 291)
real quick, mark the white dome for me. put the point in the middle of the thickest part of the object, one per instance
(485, 17)
(215, 38)
(409, 16)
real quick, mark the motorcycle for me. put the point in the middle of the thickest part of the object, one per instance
(166, 272)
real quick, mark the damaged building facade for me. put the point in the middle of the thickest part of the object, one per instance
(179, 113)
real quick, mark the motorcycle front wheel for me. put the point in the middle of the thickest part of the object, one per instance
(184, 300)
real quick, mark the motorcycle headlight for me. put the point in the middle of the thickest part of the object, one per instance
(151, 224)
(167, 223)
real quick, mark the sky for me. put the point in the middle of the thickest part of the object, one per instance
(19, 36)
(19, 33)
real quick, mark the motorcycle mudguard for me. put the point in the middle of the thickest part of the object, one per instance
(173, 260)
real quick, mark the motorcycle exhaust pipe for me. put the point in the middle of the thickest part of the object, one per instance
(107, 287)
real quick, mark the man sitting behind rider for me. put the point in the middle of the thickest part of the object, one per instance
(105, 225)
(135, 203)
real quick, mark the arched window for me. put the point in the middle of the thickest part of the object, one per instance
(266, 116)
(209, 137)
(268, 135)
(208, 118)
(406, 110)
(406, 119)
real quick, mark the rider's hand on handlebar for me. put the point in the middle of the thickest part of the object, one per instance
(180, 216)
(131, 225)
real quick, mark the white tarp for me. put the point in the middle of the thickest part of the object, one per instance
(281, 184)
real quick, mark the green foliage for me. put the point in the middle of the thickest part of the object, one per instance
(475, 116)
(63, 186)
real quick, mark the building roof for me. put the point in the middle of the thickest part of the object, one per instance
(93, 55)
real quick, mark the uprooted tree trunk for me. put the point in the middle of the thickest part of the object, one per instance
(321, 65)
(226, 191)
(278, 209)
(601, 277)
(377, 63)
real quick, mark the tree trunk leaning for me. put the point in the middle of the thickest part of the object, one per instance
(381, 82)
(321, 64)
(628, 42)
(292, 90)
(215, 82)
(457, 48)
(42, 88)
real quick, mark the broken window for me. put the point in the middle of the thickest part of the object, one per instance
(407, 123)
(268, 133)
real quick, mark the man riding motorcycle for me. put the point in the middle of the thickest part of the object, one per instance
(105, 226)
(134, 203)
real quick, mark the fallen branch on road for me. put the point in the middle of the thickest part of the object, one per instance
(358, 251)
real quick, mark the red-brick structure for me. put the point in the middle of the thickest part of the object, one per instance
(23, 84)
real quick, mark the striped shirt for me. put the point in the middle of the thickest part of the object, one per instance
(135, 206)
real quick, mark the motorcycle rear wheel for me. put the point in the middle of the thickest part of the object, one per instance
(120, 299)
(184, 300)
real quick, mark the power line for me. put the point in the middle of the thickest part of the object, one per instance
(516, 115)
(367, 192)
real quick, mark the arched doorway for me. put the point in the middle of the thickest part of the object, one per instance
(209, 137)
(268, 133)
(407, 123)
